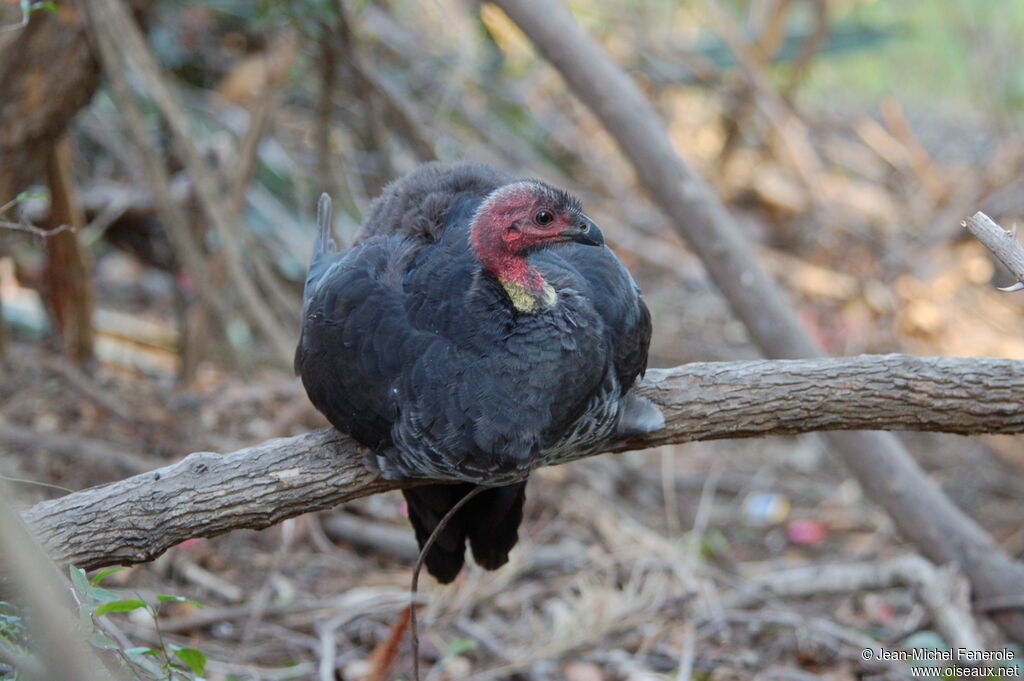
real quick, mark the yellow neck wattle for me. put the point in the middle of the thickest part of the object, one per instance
(525, 301)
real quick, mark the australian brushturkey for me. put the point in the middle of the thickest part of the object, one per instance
(478, 329)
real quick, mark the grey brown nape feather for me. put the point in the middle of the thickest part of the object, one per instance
(416, 205)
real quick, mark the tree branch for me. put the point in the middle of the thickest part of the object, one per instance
(1001, 243)
(205, 494)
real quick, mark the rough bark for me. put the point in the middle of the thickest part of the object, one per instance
(878, 460)
(137, 519)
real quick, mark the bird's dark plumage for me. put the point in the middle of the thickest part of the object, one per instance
(467, 338)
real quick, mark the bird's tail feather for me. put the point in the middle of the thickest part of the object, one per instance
(323, 247)
(493, 524)
(324, 241)
(489, 521)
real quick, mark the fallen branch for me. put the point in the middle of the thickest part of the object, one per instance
(935, 588)
(137, 519)
(372, 536)
(74, 448)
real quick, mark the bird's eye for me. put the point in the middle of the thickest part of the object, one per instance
(544, 218)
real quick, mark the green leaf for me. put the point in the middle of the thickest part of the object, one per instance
(178, 599)
(93, 593)
(193, 659)
(44, 5)
(26, 196)
(85, 619)
(78, 577)
(103, 574)
(120, 606)
(139, 651)
(457, 646)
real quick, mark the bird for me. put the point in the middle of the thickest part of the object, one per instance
(477, 329)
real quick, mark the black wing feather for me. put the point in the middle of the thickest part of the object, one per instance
(611, 289)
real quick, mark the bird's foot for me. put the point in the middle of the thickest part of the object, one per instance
(371, 460)
(638, 416)
(380, 464)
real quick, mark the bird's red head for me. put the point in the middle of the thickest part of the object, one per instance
(519, 218)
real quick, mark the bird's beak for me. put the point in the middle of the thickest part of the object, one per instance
(584, 232)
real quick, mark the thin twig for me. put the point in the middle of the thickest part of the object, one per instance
(108, 627)
(37, 231)
(414, 586)
(404, 117)
(98, 226)
(687, 656)
(793, 139)
(262, 599)
(382, 658)
(810, 48)
(1001, 243)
